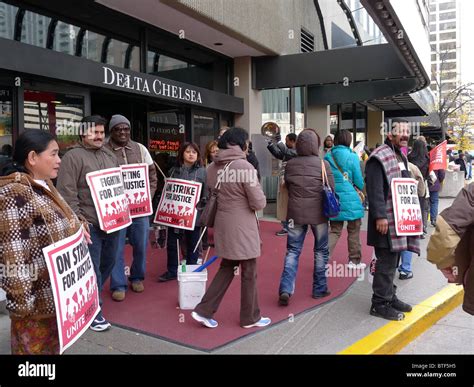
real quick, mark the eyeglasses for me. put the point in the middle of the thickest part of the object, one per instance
(118, 129)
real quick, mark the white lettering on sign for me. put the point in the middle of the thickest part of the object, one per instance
(158, 87)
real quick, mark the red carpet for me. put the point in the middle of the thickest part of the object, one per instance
(155, 312)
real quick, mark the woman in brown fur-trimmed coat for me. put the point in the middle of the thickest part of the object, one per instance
(33, 215)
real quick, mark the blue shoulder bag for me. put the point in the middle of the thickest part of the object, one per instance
(331, 206)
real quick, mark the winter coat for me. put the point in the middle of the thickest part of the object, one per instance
(440, 175)
(31, 218)
(381, 168)
(236, 233)
(452, 244)
(72, 184)
(348, 161)
(252, 159)
(135, 153)
(416, 174)
(423, 165)
(303, 177)
(283, 153)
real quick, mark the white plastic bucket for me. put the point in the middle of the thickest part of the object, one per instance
(192, 286)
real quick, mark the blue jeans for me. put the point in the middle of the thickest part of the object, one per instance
(434, 201)
(175, 235)
(296, 236)
(406, 261)
(137, 234)
(103, 251)
(284, 225)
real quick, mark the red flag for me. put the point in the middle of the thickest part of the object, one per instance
(438, 159)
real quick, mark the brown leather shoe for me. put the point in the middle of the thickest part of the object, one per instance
(138, 287)
(118, 295)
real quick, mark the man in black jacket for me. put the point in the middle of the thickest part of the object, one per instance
(283, 152)
(386, 163)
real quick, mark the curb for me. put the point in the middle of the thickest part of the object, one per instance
(395, 335)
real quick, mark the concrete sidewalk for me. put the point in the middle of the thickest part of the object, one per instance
(327, 330)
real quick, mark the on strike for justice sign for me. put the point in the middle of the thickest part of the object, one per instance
(137, 189)
(74, 284)
(109, 199)
(406, 207)
(178, 203)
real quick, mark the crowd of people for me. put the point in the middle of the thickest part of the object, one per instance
(34, 213)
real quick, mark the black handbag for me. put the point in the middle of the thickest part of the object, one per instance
(208, 214)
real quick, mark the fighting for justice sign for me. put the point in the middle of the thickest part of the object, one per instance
(406, 207)
(178, 203)
(137, 189)
(74, 284)
(109, 199)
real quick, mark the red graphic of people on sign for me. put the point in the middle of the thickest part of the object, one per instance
(138, 198)
(75, 303)
(117, 210)
(170, 209)
(410, 215)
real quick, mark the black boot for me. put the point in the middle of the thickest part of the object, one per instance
(386, 311)
(401, 306)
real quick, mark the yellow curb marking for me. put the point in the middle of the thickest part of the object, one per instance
(395, 335)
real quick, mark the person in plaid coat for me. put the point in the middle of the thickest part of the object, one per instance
(386, 163)
(33, 215)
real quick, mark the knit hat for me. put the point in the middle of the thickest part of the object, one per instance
(117, 119)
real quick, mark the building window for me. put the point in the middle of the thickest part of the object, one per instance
(448, 55)
(116, 52)
(447, 26)
(448, 66)
(34, 29)
(334, 118)
(92, 46)
(447, 16)
(65, 38)
(166, 133)
(7, 20)
(166, 63)
(134, 58)
(299, 109)
(57, 113)
(158, 63)
(447, 36)
(6, 123)
(447, 46)
(205, 128)
(277, 108)
(447, 6)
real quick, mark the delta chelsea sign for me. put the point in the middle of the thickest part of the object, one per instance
(156, 87)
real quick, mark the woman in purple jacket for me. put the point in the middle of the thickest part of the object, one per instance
(434, 194)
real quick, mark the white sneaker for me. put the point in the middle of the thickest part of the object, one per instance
(263, 322)
(356, 266)
(208, 322)
(100, 324)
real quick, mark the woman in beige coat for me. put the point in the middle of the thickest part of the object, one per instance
(236, 231)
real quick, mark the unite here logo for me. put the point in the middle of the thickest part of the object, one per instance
(37, 370)
(438, 155)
